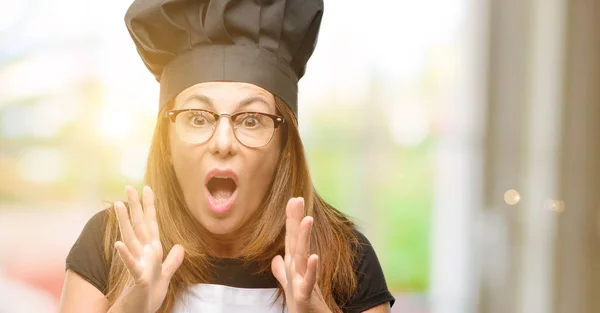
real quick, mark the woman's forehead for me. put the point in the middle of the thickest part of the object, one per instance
(225, 96)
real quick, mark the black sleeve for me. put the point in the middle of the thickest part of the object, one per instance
(372, 289)
(86, 257)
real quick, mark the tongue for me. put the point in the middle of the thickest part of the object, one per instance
(221, 189)
(221, 194)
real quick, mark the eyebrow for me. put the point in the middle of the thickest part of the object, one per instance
(200, 98)
(206, 100)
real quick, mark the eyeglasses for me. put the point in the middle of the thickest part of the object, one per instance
(252, 129)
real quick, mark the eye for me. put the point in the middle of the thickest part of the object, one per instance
(251, 122)
(197, 119)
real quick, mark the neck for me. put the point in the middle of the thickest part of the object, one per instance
(224, 245)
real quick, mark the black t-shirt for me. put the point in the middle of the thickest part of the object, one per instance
(236, 285)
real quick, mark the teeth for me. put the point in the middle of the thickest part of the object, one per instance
(223, 177)
(220, 200)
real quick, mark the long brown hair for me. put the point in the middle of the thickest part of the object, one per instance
(332, 237)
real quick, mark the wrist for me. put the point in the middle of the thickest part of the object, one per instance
(322, 309)
(133, 299)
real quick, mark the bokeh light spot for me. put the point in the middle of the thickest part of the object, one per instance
(557, 206)
(512, 197)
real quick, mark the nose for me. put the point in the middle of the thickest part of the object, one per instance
(223, 142)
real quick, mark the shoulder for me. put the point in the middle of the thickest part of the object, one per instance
(371, 288)
(86, 257)
(94, 229)
(98, 221)
(363, 241)
(366, 257)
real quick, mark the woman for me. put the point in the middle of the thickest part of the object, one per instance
(231, 222)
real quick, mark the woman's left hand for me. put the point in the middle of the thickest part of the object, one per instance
(297, 272)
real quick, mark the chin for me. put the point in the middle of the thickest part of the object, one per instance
(221, 224)
(219, 227)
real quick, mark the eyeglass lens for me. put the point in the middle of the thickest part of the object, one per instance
(251, 129)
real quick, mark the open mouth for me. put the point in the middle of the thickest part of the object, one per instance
(221, 188)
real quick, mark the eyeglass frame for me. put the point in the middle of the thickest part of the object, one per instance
(277, 121)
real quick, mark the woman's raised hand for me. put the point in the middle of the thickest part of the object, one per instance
(297, 271)
(142, 253)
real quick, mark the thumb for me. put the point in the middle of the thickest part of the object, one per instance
(278, 269)
(173, 261)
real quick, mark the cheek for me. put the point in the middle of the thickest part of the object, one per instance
(177, 154)
(272, 158)
(266, 168)
(262, 173)
(185, 163)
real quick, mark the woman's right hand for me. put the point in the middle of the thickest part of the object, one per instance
(142, 253)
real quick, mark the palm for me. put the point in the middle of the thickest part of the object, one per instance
(141, 250)
(297, 272)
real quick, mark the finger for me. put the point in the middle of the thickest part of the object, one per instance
(173, 261)
(288, 227)
(294, 212)
(288, 260)
(150, 213)
(137, 214)
(278, 269)
(302, 246)
(127, 234)
(310, 279)
(130, 261)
